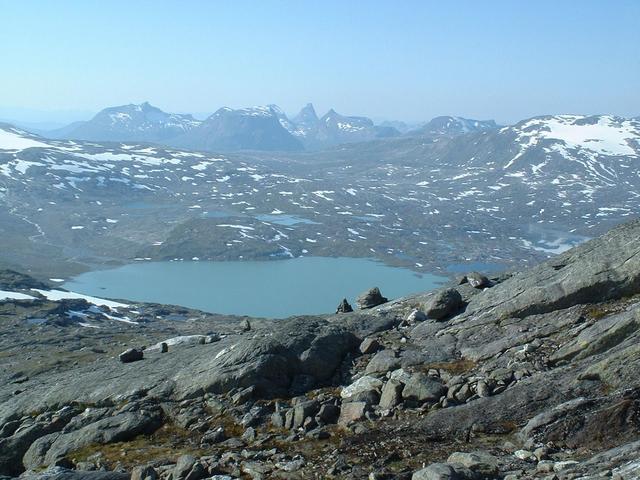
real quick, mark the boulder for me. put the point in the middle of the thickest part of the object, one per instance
(278, 419)
(443, 304)
(243, 396)
(304, 410)
(371, 298)
(249, 435)
(421, 388)
(369, 345)
(383, 361)
(482, 463)
(365, 389)
(483, 389)
(144, 473)
(344, 307)
(477, 280)
(131, 355)
(328, 414)
(437, 471)
(391, 394)
(352, 412)
(183, 467)
(214, 436)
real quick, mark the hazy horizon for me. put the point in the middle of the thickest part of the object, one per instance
(504, 61)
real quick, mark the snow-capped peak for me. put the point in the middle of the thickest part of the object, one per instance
(604, 135)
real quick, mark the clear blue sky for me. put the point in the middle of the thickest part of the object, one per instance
(407, 60)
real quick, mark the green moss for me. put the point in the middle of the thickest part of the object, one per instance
(597, 312)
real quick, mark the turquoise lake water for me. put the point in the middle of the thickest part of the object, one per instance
(274, 289)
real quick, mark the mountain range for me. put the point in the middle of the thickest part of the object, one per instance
(507, 196)
(263, 128)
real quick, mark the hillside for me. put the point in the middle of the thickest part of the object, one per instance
(518, 376)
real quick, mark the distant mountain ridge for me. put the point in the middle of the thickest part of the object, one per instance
(131, 122)
(261, 128)
(446, 125)
(256, 128)
(516, 192)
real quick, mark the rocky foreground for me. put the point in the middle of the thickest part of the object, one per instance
(530, 375)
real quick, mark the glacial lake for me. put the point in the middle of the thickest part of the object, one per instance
(273, 289)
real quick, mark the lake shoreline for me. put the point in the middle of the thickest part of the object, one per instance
(303, 285)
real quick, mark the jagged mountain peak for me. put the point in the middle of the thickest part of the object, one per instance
(307, 116)
(334, 120)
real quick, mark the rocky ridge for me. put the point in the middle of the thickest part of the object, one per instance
(524, 375)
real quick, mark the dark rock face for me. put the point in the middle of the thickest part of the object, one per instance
(371, 298)
(11, 280)
(443, 304)
(131, 355)
(16, 443)
(344, 307)
(124, 426)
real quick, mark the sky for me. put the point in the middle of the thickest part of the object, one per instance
(408, 60)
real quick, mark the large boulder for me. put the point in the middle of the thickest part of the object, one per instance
(371, 298)
(391, 394)
(184, 466)
(437, 471)
(481, 463)
(303, 411)
(383, 361)
(443, 304)
(131, 355)
(365, 389)
(352, 412)
(421, 388)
